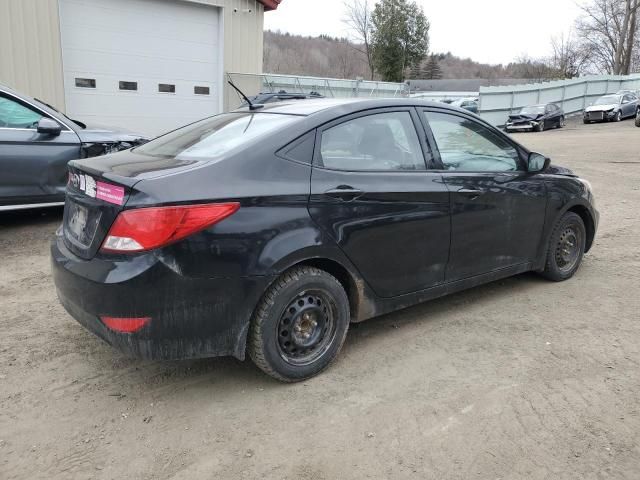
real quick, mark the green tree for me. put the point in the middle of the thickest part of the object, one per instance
(399, 37)
(431, 69)
(415, 71)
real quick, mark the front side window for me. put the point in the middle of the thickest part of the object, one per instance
(214, 136)
(381, 141)
(16, 115)
(469, 146)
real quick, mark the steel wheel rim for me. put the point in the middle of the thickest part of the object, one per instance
(568, 248)
(306, 328)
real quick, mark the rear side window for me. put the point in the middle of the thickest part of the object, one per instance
(212, 137)
(16, 115)
(469, 146)
(382, 141)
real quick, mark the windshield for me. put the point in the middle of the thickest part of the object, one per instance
(215, 136)
(608, 100)
(535, 109)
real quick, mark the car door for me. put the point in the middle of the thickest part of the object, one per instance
(372, 193)
(551, 113)
(33, 165)
(628, 105)
(497, 208)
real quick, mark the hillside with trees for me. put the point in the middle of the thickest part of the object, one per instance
(341, 58)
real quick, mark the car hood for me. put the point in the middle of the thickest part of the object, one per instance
(525, 116)
(598, 108)
(99, 133)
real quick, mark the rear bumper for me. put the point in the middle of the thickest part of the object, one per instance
(190, 317)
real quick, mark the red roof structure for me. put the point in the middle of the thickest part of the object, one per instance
(270, 4)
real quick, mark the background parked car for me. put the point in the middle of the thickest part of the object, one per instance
(37, 141)
(281, 96)
(470, 104)
(633, 92)
(536, 117)
(611, 108)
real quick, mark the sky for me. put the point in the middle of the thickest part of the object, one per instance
(488, 31)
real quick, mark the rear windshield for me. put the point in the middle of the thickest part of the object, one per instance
(215, 136)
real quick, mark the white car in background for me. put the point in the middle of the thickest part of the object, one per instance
(612, 107)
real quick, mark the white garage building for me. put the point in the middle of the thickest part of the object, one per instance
(146, 65)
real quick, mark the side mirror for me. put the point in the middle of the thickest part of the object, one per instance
(47, 126)
(537, 162)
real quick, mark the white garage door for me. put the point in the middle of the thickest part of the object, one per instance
(145, 65)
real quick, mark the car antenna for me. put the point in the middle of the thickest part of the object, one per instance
(252, 106)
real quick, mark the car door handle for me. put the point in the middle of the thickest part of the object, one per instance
(344, 192)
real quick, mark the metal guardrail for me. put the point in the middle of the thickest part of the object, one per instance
(496, 103)
(329, 87)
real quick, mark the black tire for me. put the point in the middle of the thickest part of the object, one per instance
(566, 248)
(540, 126)
(638, 119)
(586, 122)
(562, 123)
(299, 325)
(618, 116)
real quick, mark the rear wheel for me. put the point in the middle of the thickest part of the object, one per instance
(566, 248)
(300, 324)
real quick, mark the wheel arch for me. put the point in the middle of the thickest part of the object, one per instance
(588, 221)
(361, 304)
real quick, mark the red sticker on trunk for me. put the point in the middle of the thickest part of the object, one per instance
(110, 193)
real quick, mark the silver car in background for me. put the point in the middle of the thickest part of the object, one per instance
(612, 107)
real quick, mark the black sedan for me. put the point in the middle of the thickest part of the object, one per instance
(536, 118)
(269, 230)
(37, 141)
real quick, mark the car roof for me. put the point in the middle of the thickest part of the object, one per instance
(317, 105)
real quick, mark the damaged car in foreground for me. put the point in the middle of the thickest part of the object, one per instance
(37, 141)
(269, 229)
(536, 118)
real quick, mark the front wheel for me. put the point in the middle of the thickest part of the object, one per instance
(300, 324)
(618, 116)
(566, 248)
(562, 122)
(540, 126)
(638, 119)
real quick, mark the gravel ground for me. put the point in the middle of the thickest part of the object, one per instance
(519, 379)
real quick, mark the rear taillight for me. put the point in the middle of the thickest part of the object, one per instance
(148, 228)
(125, 324)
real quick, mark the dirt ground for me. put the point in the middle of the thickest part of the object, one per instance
(519, 379)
